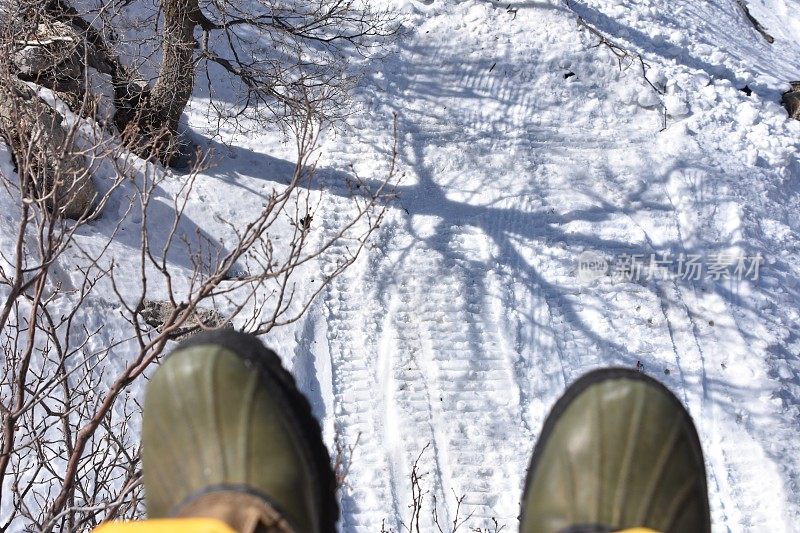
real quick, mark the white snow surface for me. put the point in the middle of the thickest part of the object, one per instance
(463, 322)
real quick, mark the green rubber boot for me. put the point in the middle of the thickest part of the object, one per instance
(617, 451)
(226, 434)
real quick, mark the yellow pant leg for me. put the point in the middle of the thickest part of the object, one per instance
(210, 525)
(168, 525)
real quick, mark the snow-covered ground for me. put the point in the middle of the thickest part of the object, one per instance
(466, 320)
(524, 145)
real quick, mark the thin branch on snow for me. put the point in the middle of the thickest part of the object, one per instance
(623, 55)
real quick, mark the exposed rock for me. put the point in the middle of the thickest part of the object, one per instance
(56, 169)
(32, 60)
(156, 312)
(54, 45)
(756, 24)
(791, 100)
(52, 58)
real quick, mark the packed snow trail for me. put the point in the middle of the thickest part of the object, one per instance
(523, 145)
(526, 139)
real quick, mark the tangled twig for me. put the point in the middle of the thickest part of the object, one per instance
(624, 55)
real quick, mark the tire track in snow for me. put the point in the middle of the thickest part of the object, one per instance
(418, 429)
(449, 385)
(700, 352)
(457, 379)
(584, 188)
(725, 364)
(474, 376)
(354, 373)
